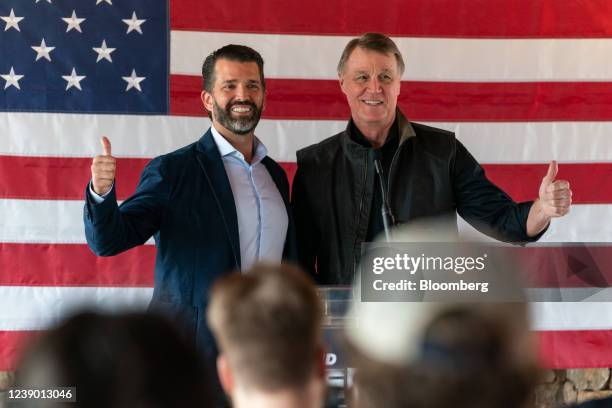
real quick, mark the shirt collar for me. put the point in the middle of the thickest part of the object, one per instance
(226, 149)
(358, 137)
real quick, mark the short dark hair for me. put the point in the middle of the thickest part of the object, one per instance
(117, 361)
(373, 42)
(268, 323)
(231, 52)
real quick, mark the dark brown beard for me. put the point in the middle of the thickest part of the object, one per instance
(240, 126)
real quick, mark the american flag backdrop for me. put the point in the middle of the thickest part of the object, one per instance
(521, 82)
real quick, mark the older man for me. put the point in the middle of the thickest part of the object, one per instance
(337, 195)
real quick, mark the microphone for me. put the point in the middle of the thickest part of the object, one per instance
(387, 215)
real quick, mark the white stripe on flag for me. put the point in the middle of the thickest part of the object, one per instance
(427, 59)
(60, 221)
(71, 135)
(35, 308)
(582, 224)
(571, 315)
(43, 221)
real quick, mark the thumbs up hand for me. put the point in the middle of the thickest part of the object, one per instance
(103, 169)
(555, 195)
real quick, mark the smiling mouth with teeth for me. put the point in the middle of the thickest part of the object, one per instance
(372, 103)
(241, 109)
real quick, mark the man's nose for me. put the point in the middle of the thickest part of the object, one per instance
(374, 85)
(241, 93)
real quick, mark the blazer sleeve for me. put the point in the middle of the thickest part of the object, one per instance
(484, 205)
(111, 228)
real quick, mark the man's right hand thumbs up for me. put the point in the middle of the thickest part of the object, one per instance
(103, 169)
(555, 195)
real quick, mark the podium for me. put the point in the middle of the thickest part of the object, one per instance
(336, 304)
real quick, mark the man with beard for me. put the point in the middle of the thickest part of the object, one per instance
(216, 205)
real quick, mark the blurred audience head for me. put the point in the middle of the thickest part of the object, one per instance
(441, 354)
(467, 356)
(267, 323)
(133, 360)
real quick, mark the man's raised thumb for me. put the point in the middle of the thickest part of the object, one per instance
(106, 146)
(553, 168)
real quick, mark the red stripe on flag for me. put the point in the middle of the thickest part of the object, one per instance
(74, 265)
(575, 349)
(60, 178)
(30, 178)
(424, 101)
(557, 349)
(522, 181)
(285, 98)
(412, 18)
(290, 168)
(564, 266)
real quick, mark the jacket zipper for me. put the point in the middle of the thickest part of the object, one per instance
(365, 179)
(391, 168)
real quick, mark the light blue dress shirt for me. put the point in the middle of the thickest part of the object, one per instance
(262, 215)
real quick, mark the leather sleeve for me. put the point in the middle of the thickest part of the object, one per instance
(484, 205)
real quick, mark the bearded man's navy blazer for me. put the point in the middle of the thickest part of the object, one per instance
(184, 200)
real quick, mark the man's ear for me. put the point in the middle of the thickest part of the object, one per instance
(341, 82)
(207, 100)
(225, 374)
(263, 105)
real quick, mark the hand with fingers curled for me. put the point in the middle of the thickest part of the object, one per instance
(103, 169)
(554, 200)
(555, 196)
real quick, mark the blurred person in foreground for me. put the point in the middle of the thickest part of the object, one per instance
(337, 196)
(132, 360)
(466, 357)
(268, 324)
(452, 353)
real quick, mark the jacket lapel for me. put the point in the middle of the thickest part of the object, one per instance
(211, 163)
(280, 179)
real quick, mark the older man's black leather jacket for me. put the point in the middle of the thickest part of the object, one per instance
(431, 174)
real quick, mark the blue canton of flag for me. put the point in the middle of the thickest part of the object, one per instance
(104, 56)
